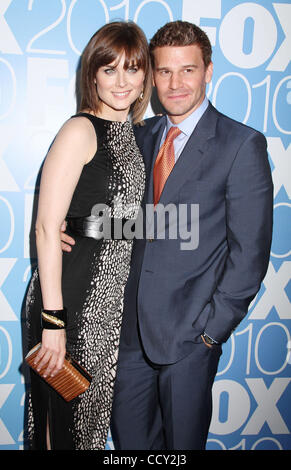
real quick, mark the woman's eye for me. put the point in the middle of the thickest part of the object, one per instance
(109, 71)
(132, 69)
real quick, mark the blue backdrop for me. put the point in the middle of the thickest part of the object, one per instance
(40, 47)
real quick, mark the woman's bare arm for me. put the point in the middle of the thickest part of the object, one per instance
(73, 147)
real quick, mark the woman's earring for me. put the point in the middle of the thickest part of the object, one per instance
(141, 96)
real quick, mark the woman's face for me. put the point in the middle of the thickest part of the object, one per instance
(118, 88)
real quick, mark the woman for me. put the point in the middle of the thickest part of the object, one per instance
(93, 160)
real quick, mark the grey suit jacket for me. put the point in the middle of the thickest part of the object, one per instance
(177, 293)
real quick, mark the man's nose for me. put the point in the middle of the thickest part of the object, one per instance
(175, 81)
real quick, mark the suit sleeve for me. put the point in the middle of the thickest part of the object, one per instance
(249, 219)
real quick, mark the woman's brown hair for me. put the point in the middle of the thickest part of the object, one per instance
(105, 46)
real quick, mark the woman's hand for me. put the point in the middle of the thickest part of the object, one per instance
(52, 352)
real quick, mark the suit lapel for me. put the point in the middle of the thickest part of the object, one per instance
(191, 155)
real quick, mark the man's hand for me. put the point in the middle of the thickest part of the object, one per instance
(66, 240)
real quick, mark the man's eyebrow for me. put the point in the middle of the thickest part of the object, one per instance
(190, 65)
(166, 67)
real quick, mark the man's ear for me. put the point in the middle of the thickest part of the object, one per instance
(209, 72)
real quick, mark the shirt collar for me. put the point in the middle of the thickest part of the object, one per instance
(188, 125)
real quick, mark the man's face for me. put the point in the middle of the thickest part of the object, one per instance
(180, 77)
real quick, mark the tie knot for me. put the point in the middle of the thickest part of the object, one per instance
(173, 133)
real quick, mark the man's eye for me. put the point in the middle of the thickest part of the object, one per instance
(188, 70)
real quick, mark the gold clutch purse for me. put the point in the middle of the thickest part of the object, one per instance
(71, 380)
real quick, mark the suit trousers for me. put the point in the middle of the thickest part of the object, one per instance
(163, 407)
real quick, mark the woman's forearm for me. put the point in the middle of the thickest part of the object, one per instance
(53, 341)
(49, 255)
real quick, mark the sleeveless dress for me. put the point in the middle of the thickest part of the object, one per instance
(93, 281)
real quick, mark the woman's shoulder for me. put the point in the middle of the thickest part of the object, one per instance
(77, 127)
(76, 138)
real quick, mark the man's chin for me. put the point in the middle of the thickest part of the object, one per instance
(179, 113)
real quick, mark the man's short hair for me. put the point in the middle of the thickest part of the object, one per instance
(182, 33)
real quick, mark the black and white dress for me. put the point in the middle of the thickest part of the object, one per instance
(93, 281)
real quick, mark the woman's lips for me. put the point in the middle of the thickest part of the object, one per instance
(121, 94)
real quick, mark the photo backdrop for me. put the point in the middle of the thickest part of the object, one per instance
(40, 46)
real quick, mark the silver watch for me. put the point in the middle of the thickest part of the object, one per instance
(208, 340)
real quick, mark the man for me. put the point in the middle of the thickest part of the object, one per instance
(181, 304)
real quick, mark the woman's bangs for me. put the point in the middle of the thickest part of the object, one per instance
(134, 55)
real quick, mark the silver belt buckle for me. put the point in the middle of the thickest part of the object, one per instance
(94, 227)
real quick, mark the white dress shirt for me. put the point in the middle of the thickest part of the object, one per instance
(187, 126)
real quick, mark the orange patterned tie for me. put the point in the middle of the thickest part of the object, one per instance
(164, 162)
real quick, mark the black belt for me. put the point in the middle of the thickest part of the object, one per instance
(100, 227)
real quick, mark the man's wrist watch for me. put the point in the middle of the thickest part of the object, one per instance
(209, 340)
